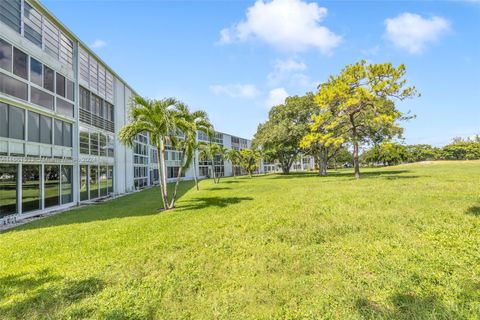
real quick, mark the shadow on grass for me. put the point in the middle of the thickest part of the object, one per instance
(382, 174)
(218, 202)
(218, 188)
(146, 202)
(405, 306)
(474, 211)
(39, 295)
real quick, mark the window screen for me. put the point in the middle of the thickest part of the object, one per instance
(32, 24)
(60, 82)
(36, 72)
(16, 123)
(45, 129)
(41, 98)
(13, 87)
(10, 13)
(5, 55)
(51, 38)
(20, 64)
(33, 127)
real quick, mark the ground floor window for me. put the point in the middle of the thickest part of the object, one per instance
(110, 180)
(31, 193)
(8, 189)
(172, 172)
(51, 178)
(93, 178)
(83, 183)
(103, 181)
(67, 180)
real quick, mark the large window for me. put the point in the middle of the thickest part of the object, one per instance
(103, 181)
(60, 89)
(110, 179)
(16, 123)
(65, 108)
(52, 185)
(63, 133)
(67, 180)
(31, 199)
(93, 182)
(12, 122)
(45, 129)
(103, 145)
(5, 55)
(20, 63)
(48, 79)
(84, 141)
(83, 183)
(36, 72)
(13, 87)
(8, 189)
(41, 98)
(94, 143)
(33, 127)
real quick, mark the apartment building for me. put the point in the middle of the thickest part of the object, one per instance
(61, 108)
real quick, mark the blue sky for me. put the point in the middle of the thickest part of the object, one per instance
(235, 59)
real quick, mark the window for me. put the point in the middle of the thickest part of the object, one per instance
(103, 181)
(83, 183)
(93, 182)
(62, 133)
(84, 141)
(110, 146)
(41, 98)
(45, 129)
(94, 143)
(13, 87)
(48, 79)
(51, 38)
(36, 72)
(84, 99)
(110, 179)
(67, 134)
(58, 132)
(84, 67)
(10, 13)
(93, 74)
(103, 145)
(67, 180)
(33, 127)
(3, 120)
(70, 90)
(16, 123)
(31, 198)
(51, 185)
(20, 63)
(65, 108)
(66, 50)
(32, 24)
(8, 189)
(5, 55)
(60, 89)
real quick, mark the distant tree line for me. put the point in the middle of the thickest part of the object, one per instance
(393, 153)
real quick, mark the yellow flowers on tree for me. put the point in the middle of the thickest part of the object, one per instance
(358, 106)
(250, 160)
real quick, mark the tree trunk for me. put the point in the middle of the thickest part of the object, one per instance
(159, 166)
(179, 175)
(195, 172)
(163, 176)
(323, 161)
(356, 164)
(213, 172)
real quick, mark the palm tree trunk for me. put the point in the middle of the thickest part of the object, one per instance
(172, 203)
(213, 172)
(195, 172)
(159, 166)
(164, 174)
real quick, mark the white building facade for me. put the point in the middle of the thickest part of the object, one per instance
(61, 108)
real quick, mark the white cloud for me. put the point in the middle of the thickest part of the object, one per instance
(291, 25)
(288, 72)
(275, 97)
(411, 32)
(98, 43)
(236, 90)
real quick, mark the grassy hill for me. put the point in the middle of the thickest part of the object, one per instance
(401, 243)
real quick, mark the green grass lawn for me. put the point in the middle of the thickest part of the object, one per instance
(401, 243)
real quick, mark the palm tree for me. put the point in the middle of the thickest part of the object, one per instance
(208, 153)
(233, 156)
(189, 123)
(157, 118)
